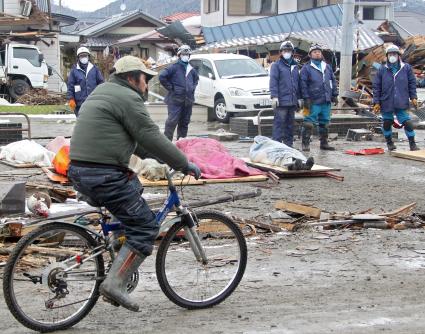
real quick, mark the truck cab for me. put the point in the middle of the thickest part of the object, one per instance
(22, 67)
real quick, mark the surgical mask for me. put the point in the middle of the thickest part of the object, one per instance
(287, 55)
(392, 59)
(84, 60)
(185, 59)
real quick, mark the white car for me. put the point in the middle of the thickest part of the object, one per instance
(231, 84)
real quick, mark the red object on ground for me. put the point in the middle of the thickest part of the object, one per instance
(366, 151)
(61, 160)
(214, 160)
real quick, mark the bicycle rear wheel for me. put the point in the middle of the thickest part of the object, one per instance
(190, 283)
(41, 290)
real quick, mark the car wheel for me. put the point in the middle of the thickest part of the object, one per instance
(220, 110)
(18, 88)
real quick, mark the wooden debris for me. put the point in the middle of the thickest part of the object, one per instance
(42, 97)
(404, 210)
(309, 211)
(257, 224)
(414, 155)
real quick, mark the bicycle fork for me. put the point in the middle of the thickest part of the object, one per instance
(193, 237)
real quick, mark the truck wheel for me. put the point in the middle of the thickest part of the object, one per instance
(18, 88)
(220, 110)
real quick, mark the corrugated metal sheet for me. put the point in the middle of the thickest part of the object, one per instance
(115, 20)
(306, 20)
(329, 38)
(42, 5)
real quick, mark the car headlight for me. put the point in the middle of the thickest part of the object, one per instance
(238, 92)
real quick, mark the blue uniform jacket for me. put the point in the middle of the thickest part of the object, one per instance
(80, 84)
(318, 85)
(180, 82)
(285, 82)
(393, 91)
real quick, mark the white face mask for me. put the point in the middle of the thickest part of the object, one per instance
(393, 59)
(185, 58)
(287, 55)
(84, 60)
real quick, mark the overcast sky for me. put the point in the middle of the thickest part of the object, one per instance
(85, 5)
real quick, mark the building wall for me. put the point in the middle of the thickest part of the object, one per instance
(12, 7)
(52, 57)
(130, 30)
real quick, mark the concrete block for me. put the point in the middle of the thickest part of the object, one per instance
(12, 197)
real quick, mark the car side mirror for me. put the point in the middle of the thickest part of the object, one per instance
(40, 57)
(211, 76)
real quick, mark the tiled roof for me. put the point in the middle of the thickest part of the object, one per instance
(179, 16)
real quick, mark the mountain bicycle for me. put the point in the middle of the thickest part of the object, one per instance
(52, 277)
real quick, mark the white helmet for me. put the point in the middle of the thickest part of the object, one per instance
(185, 49)
(83, 49)
(392, 48)
(286, 45)
(315, 47)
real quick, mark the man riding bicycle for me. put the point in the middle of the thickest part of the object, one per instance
(113, 125)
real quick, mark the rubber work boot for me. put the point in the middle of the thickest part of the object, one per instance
(114, 287)
(306, 131)
(297, 164)
(412, 144)
(390, 144)
(324, 133)
(309, 164)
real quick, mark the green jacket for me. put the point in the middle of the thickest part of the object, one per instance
(114, 124)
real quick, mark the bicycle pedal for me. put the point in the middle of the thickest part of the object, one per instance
(110, 301)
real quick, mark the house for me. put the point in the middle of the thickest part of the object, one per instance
(109, 31)
(223, 12)
(18, 16)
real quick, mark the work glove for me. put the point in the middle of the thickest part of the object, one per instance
(275, 102)
(72, 104)
(192, 169)
(376, 108)
(307, 104)
(300, 105)
(335, 100)
(415, 103)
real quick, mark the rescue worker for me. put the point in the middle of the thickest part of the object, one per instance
(393, 86)
(82, 80)
(180, 79)
(319, 89)
(284, 92)
(114, 124)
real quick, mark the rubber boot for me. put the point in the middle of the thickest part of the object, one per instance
(114, 287)
(324, 133)
(308, 165)
(306, 131)
(412, 144)
(390, 143)
(297, 164)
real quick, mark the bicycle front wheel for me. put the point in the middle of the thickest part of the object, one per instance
(52, 277)
(192, 284)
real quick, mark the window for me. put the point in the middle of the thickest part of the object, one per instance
(1, 5)
(241, 68)
(368, 13)
(211, 6)
(308, 4)
(31, 55)
(252, 7)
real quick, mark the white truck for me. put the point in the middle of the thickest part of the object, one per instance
(22, 67)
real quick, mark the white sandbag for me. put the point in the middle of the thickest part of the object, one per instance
(267, 151)
(27, 151)
(56, 144)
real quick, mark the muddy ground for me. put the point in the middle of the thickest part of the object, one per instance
(311, 281)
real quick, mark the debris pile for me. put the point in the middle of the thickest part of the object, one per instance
(295, 216)
(41, 97)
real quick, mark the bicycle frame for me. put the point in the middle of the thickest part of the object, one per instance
(171, 203)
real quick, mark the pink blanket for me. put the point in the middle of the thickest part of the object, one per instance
(214, 160)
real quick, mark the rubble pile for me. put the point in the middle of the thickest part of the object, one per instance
(41, 97)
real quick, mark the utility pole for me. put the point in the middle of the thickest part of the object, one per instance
(346, 63)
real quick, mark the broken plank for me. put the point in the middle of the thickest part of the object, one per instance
(258, 224)
(254, 178)
(18, 165)
(54, 177)
(411, 155)
(404, 210)
(186, 181)
(299, 208)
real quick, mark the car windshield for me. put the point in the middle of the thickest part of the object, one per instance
(239, 68)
